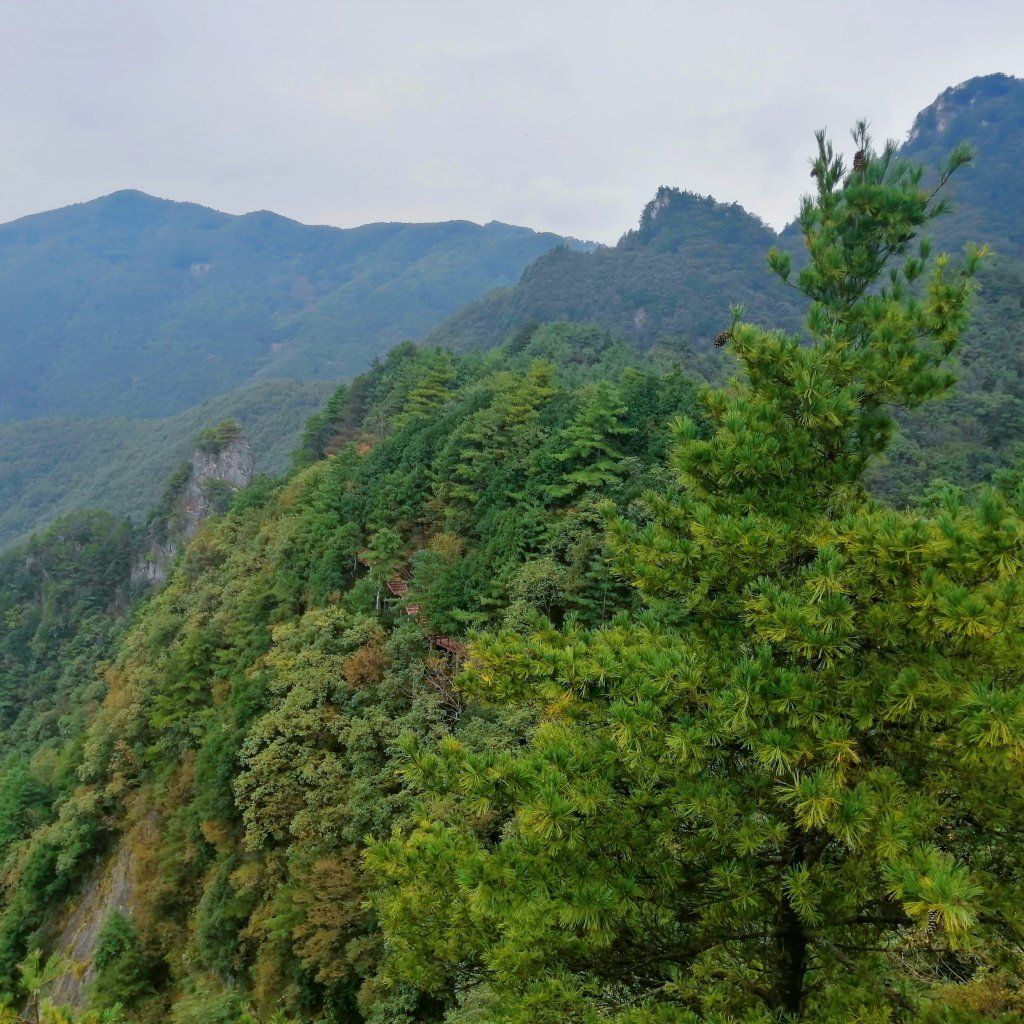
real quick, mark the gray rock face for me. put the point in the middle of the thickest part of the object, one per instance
(212, 477)
(111, 888)
(232, 467)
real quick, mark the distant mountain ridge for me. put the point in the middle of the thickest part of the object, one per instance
(133, 305)
(673, 278)
(988, 197)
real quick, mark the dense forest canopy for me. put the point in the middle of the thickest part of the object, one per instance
(553, 685)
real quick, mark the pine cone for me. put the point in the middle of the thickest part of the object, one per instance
(860, 161)
(721, 338)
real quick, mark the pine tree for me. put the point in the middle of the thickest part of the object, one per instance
(37, 976)
(383, 556)
(429, 388)
(791, 790)
(497, 440)
(590, 453)
(123, 971)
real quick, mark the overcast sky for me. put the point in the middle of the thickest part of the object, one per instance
(559, 115)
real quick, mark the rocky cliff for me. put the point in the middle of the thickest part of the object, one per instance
(221, 464)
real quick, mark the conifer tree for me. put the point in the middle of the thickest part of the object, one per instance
(498, 439)
(589, 454)
(383, 555)
(430, 387)
(123, 971)
(791, 790)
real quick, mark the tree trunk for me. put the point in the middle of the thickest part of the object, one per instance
(792, 961)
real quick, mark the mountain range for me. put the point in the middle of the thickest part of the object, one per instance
(131, 308)
(508, 702)
(675, 276)
(138, 306)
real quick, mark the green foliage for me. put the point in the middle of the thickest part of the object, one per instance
(788, 790)
(668, 283)
(60, 603)
(591, 456)
(56, 595)
(124, 974)
(215, 439)
(257, 704)
(149, 307)
(975, 433)
(36, 977)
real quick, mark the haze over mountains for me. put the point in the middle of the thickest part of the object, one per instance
(131, 306)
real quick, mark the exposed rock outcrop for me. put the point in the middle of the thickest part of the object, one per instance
(113, 887)
(221, 464)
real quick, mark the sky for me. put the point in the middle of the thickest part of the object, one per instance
(559, 115)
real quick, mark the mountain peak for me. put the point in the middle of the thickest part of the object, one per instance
(965, 105)
(988, 203)
(675, 218)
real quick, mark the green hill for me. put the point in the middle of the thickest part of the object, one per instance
(135, 306)
(51, 467)
(670, 281)
(988, 201)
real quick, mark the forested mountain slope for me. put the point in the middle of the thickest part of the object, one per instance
(674, 277)
(548, 688)
(438, 494)
(670, 281)
(51, 467)
(133, 305)
(978, 430)
(988, 200)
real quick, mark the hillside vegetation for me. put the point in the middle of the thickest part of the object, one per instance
(49, 468)
(988, 114)
(551, 686)
(669, 283)
(135, 306)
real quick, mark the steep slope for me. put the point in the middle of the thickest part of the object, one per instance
(51, 467)
(468, 486)
(670, 281)
(132, 305)
(988, 199)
